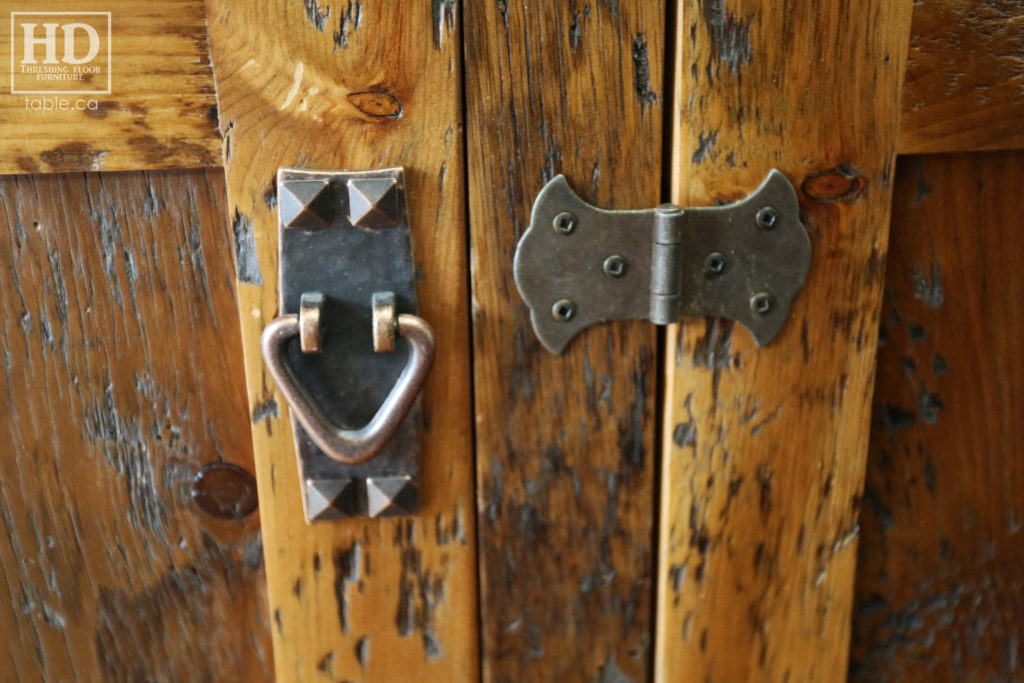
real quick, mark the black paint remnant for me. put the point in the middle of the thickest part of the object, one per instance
(928, 289)
(685, 434)
(318, 17)
(247, 265)
(704, 145)
(730, 38)
(923, 188)
(346, 570)
(929, 406)
(443, 12)
(894, 418)
(73, 156)
(631, 432)
(264, 410)
(764, 484)
(642, 73)
(270, 196)
(939, 365)
(348, 24)
(363, 651)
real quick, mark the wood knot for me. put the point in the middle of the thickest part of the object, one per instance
(840, 184)
(377, 104)
(224, 491)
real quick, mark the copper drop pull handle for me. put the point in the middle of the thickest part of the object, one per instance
(350, 446)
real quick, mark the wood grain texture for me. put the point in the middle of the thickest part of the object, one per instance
(357, 85)
(121, 378)
(940, 578)
(765, 448)
(161, 111)
(965, 77)
(565, 458)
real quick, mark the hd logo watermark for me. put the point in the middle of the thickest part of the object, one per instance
(60, 53)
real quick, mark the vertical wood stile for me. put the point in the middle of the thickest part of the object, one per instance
(565, 460)
(352, 84)
(765, 448)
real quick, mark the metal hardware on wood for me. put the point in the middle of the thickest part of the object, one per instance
(767, 217)
(350, 446)
(348, 340)
(564, 310)
(714, 264)
(311, 304)
(761, 303)
(614, 266)
(745, 261)
(564, 222)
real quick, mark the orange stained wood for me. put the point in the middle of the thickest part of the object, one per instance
(160, 111)
(764, 449)
(357, 85)
(565, 444)
(940, 586)
(120, 380)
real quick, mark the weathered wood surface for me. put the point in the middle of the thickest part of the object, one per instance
(161, 111)
(765, 448)
(565, 444)
(940, 579)
(330, 85)
(121, 378)
(965, 77)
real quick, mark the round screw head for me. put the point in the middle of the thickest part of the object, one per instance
(767, 218)
(615, 266)
(564, 310)
(761, 303)
(564, 222)
(714, 264)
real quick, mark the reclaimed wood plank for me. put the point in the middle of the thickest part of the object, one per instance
(940, 584)
(565, 444)
(161, 109)
(764, 449)
(329, 85)
(121, 379)
(965, 77)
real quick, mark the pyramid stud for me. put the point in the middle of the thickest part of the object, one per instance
(305, 204)
(373, 202)
(329, 499)
(391, 496)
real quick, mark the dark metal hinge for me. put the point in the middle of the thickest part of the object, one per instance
(578, 265)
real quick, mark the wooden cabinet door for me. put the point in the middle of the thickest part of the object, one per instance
(654, 504)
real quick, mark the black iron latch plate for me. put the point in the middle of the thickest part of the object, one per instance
(578, 265)
(345, 235)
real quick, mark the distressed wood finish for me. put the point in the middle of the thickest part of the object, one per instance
(940, 579)
(965, 77)
(564, 443)
(121, 378)
(765, 448)
(357, 85)
(161, 111)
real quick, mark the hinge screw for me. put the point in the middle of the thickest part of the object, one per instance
(564, 222)
(767, 218)
(761, 303)
(615, 266)
(563, 310)
(714, 264)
